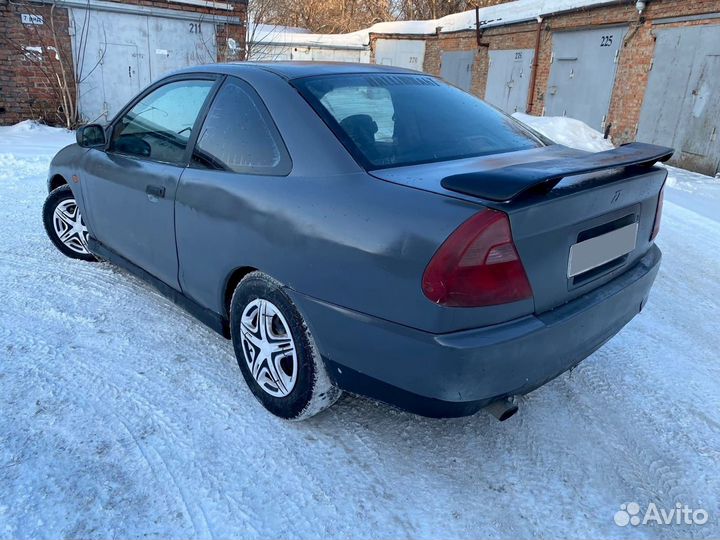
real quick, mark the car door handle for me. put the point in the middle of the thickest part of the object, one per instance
(155, 191)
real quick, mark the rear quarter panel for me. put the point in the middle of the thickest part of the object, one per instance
(353, 241)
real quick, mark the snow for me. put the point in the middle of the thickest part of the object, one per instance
(499, 15)
(21, 153)
(258, 29)
(357, 40)
(124, 417)
(567, 131)
(692, 190)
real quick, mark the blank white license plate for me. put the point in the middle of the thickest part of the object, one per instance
(602, 249)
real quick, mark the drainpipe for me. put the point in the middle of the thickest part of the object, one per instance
(536, 62)
(478, 32)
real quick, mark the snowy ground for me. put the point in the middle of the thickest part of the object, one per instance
(123, 417)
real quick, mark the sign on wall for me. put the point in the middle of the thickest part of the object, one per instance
(30, 18)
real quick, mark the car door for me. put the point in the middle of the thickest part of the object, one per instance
(130, 186)
(231, 193)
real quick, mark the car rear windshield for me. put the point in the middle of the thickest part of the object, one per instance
(392, 120)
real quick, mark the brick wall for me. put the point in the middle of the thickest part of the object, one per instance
(636, 55)
(28, 85)
(634, 61)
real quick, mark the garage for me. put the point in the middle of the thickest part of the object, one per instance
(406, 53)
(122, 52)
(456, 68)
(584, 64)
(508, 80)
(682, 104)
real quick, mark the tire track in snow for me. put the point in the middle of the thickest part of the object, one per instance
(164, 395)
(160, 428)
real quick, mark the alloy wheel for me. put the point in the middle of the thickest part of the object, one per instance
(69, 226)
(268, 348)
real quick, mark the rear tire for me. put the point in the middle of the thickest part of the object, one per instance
(64, 224)
(276, 352)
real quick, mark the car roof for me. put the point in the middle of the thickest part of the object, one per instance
(294, 70)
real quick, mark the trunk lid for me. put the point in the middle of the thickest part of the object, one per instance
(557, 198)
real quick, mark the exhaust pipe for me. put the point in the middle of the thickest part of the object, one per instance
(503, 408)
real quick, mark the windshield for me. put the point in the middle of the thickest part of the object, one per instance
(404, 119)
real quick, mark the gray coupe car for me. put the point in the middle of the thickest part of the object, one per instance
(365, 228)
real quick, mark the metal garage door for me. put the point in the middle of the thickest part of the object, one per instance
(406, 53)
(125, 52)
(175, 44)
(509, 79)
(681, 108)
(456, 68)
(582, 74)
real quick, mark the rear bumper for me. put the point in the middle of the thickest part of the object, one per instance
(456, 374)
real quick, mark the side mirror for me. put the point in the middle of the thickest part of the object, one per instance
(90, 136)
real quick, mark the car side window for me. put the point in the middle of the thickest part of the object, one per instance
(238, 135)
(159, 126)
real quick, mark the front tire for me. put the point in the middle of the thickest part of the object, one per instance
(276, 352)
(64, 224)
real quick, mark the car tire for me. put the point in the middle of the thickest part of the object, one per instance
(276, 352)
(64, 224)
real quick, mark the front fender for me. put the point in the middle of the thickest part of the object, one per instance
(67, 163)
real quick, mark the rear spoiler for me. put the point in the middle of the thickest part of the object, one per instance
(508, 183)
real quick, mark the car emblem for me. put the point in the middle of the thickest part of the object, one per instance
(616, 197)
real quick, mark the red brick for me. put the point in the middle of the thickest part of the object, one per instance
(633, 63)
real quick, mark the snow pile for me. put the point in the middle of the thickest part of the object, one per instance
(27, 148)
(577, 134)
(29, 138)
(567, 131)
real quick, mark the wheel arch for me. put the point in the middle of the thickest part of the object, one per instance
(231, 282)
(56, 181)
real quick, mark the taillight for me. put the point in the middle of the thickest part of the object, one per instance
(477, 265)
(658, 215)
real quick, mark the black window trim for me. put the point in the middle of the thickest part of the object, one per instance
(216, 77)
(264, 110)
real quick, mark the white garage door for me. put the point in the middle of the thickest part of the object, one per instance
(123, 53)
(405, 53)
